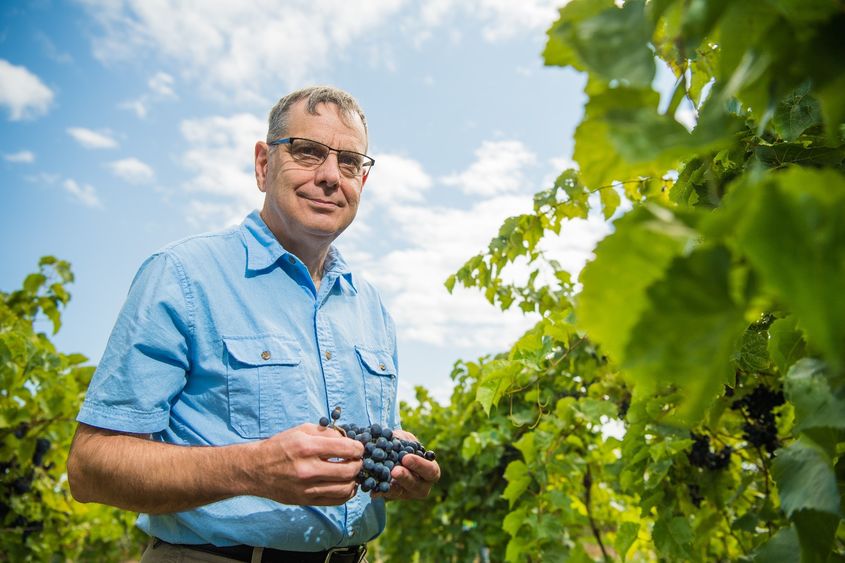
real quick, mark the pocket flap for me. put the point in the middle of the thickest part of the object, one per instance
(379, 362)
(263, 350)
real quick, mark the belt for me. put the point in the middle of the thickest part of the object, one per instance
(352, 554)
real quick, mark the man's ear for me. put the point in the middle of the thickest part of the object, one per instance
(364, 181)
(262, 156)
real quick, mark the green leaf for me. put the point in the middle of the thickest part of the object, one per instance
(805, 479)
(796, 113)
(626, 263)
(450, 283)
(673, 537)
(559, 49)
(594, 409)
(809, 391)
(496, 377)
(610, 201)
(792, 231)
(687, 334)
(518, 478)
(33, 283)
(514, 521)
(816, 531)
(782, 154)
(625, 537)
(786, 343)
(782, 548)
(753, 352)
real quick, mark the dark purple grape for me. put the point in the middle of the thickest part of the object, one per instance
(324, 421)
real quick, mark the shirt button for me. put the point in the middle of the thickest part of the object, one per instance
(265, 355)
(382, 367)
(291, 259)
(328, 355)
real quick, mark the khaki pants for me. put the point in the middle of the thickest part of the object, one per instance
(167, 553)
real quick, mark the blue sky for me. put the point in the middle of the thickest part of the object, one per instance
(130, 124)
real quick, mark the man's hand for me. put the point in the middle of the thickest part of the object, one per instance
(307, 465)
(414, 477)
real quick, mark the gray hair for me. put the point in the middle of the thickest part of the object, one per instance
(315, 95)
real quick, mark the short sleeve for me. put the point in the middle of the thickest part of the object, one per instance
(147, 356)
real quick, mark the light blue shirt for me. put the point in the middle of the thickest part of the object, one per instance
(223, 339)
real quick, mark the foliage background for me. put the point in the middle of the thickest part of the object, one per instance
(41, 394)
(685, 399)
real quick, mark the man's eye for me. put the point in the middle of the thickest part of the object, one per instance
(351, 160)
(310, 151)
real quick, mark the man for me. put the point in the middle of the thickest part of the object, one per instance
(228, 349)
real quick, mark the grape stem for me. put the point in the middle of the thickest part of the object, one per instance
(588, 485)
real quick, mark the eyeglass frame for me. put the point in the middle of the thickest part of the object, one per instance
(290, 140)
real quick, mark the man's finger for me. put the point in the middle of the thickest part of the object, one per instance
(426, 470)
(335, 447)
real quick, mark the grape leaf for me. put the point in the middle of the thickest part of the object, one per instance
(626, 535)
(673, 537)
(809, 391)
(793, 233)
(786, 343)
(626, 263)
(782, 548)
(686, 335)
(805, 479)
(494, 381)
(796, 113)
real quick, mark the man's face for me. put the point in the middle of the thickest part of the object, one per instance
(310, 207)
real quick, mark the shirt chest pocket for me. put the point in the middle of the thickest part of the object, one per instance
(261, 378)
(379, 372)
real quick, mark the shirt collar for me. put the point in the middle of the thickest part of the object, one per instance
(263, 251)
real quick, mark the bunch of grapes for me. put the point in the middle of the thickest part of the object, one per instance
(382, 451)
(760, 428)
(701, 455)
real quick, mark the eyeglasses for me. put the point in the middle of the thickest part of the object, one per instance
(312, 154)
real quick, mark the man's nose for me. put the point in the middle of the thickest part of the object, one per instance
(328, 173)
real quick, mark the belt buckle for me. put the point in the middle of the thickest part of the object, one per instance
(361, 552)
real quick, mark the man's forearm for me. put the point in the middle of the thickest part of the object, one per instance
(137, 474)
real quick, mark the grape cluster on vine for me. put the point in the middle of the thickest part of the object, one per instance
(382, 451)
(760, 427)
(17, 484)
(701, 455)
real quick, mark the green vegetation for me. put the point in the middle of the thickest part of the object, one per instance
(710, 326)
(41, 394)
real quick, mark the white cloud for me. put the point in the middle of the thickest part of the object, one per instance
(160, 87)
(396, 178)
(241, 49)
(91, 139)
(22, 92)
(85, 194)
(498, 20)
(162, 84)
(233, 48)
(505, 18)
(498, 169)
(26, 157)
(222, 156)
(132, 170)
